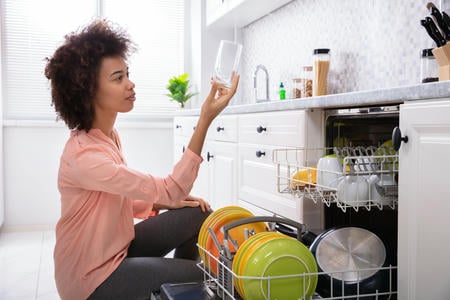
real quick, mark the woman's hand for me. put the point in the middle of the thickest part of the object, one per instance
(190, 201)
(218, 98)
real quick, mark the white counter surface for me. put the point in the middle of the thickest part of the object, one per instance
(388, 96)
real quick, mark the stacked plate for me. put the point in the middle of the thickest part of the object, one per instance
(271, 265)
(216, 220)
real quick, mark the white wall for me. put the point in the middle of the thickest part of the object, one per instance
(31, 159)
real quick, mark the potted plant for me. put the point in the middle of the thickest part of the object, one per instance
(178, 87)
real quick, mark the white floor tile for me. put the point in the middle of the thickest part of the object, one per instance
(26, 265)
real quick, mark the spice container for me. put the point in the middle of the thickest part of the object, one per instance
(307, 82)
(321, 68)
(428, 67)
(296, 88)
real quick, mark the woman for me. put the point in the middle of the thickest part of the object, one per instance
(99, 252)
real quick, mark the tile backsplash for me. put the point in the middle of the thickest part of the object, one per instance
(374, 44)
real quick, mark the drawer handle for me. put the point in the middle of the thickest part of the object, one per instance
(260, 129)
(209, 156)
(178, 126)
(260, 153)
(220, 129)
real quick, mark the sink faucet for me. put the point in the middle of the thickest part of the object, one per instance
(261, 67)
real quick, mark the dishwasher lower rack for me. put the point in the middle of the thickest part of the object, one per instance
(370, 173)
(223, 284)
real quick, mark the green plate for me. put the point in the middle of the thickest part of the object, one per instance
(280, 257)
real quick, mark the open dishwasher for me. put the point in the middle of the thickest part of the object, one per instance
(356, 250)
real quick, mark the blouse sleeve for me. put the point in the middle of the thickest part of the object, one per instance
(96, 169)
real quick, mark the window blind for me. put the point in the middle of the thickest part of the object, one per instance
(32, 30)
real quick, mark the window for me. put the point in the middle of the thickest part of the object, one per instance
(32, 30)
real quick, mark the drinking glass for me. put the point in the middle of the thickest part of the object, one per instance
(227, 62)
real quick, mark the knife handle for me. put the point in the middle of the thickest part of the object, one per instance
(427, 27)
(440, 22)
(446, 20)
(438, 38)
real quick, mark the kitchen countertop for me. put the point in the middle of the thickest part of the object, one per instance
(387, 96)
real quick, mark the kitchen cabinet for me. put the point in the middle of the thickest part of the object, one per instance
(424, 206)
(216, 181)
(238, 13)
(259, 135)
(238, 166)
(183, 129)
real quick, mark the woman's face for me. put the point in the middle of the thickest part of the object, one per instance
(115, 92)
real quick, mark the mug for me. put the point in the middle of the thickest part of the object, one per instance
(329, 170)
(374, 193)
(227, 62)
(353, 191)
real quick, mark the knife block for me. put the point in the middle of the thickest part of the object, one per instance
(442, 55)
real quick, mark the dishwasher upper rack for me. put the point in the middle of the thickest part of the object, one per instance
(360, 164)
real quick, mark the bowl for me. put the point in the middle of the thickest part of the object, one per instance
(281, 256)
(304, 177)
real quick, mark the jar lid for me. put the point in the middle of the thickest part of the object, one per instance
(427, 52)
(321, 51)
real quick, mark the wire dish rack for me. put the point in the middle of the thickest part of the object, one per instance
(365, 179)
(222, 281)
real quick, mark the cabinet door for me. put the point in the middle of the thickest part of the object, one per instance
(424, 201)
(203, 183)
(224, 173)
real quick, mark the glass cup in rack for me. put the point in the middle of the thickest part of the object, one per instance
(227, 62)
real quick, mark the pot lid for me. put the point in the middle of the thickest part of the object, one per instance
(354, 250)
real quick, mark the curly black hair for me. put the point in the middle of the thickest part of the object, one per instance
(73, 70)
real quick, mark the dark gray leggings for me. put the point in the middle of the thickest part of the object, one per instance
(145, 268)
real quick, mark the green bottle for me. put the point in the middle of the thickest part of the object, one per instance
(282, 91)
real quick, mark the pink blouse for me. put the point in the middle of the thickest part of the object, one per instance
(98, 202)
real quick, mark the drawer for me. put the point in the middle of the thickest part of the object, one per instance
(224, 128)
(184, 126)
(276, 128)
(258, 182)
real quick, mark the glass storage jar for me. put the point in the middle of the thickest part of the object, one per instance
(321, 67)
(429, 71)
(307, 82)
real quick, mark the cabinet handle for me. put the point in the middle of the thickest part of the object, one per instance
(220, 129)
(184, 149)
(193, 127)
(209, 156)
(260, 153)
(260, 129)
(397, 138)
(178, 126)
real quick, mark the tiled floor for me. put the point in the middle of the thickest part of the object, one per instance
(26, 265)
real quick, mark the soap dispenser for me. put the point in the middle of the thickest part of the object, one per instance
(282, 91)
